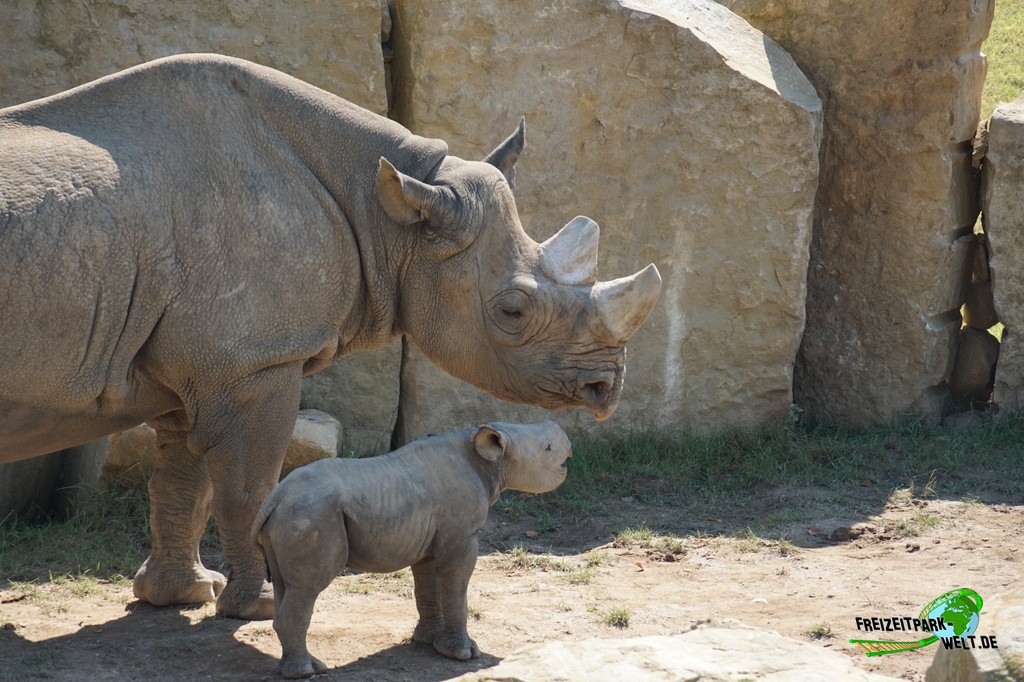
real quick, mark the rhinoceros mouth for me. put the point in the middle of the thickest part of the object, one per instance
(596, 391)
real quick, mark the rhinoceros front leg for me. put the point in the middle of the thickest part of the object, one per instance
(244, 435)
(180, 496)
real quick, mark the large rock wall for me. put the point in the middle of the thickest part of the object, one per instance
(901, 84)
(48, 47)
(690, 137)
(1003, 210)
(52, 45)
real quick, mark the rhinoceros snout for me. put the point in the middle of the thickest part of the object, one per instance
(599, 392)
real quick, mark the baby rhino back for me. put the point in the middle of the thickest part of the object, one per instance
(377, 514)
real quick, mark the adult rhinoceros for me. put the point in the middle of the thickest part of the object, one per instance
(182, 241)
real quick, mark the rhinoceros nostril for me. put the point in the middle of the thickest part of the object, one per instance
(598, 391)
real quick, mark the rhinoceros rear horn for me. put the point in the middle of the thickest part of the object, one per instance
(570, 256)
(406, 200)
(506, 154)
(623, 304)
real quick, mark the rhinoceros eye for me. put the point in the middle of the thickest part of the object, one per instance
(509, 311)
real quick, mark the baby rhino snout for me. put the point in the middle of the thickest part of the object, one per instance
(543, 451)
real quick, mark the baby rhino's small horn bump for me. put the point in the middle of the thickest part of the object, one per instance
(623, 304)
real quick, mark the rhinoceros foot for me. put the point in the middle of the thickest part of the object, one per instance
(456, 645)
(239, 601)
(427, 631)
(163, 583)
(294, 668)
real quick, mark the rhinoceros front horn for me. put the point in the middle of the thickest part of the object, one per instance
(623, 304)
(570, 256)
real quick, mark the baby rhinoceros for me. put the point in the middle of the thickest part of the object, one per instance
(422, 505)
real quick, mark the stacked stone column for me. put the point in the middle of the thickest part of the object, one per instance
(897, 202)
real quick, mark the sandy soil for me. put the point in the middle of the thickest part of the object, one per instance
(810, 586)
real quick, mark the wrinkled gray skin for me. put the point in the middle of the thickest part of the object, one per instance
(182, 241)
(421, 506)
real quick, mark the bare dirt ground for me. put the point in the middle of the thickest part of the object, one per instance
(569, 584)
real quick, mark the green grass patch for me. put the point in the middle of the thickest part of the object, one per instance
(581, 576)
(820, 631)
(644, 538)
(521, 559)
(106, 539)
(616, 617)
(778, 477)
(658, 469)
(1005, 49)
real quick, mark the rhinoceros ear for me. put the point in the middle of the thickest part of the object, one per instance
(504, 157)
(406, 200)
(489, 443)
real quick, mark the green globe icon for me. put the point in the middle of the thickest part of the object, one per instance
(960, 614)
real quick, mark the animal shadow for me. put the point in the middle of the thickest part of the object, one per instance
(148, 642)
(407, 661)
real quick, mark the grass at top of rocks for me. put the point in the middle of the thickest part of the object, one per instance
(735, 471)
(1005, 50)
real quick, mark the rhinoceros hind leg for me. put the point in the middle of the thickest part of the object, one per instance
(180, 496)
(244, 435)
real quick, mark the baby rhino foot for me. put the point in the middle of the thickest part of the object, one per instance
(456, 645)
(297, 667)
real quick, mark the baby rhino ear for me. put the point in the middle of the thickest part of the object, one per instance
(489, 443)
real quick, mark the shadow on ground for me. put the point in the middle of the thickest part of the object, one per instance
(126, 647)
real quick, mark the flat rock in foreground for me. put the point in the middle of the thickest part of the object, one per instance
(711, 652)
(1002, 617)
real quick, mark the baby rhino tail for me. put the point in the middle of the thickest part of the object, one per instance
(265, 510)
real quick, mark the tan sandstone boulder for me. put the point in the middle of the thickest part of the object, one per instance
(980, 308)
(902, 85)
(690, 137)
(1003, 208)
(976, 357)
(52, 46)
(361, 392)
(1002, 617)
(718, 651)
(52, 485)
(133, 453)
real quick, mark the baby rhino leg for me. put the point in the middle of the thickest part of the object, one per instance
(428, 602)
(453, 573)
(300, 570)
